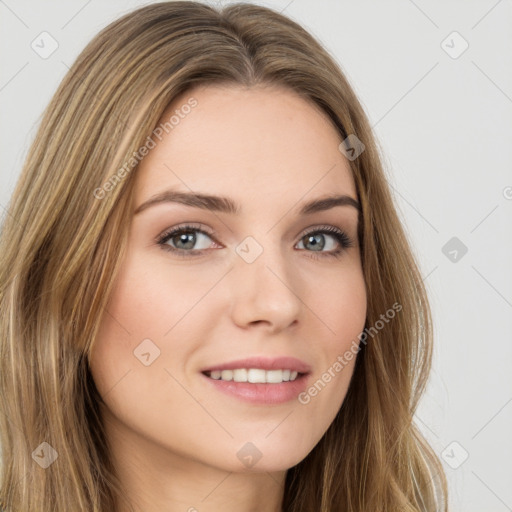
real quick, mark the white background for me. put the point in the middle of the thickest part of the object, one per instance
(445, 125)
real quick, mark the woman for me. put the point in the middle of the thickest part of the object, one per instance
(205, 286)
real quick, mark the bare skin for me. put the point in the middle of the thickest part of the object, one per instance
(174, 436)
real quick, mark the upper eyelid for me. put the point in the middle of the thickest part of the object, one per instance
(211, 232)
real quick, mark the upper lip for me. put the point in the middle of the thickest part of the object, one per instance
(264, 363)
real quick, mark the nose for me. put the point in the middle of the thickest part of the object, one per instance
(265, 292)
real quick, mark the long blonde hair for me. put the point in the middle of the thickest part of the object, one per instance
(60, 246)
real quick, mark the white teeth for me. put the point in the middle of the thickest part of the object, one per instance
(273, 376)
(227, 375)
(255, 375)
(240, 375)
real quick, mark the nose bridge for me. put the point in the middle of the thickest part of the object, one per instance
(265, 287)
(259, 253)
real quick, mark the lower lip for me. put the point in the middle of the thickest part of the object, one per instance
(258, 393)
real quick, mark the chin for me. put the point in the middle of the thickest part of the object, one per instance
(266, 459)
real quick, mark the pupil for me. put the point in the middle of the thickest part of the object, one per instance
(317, 245)
(184, 237)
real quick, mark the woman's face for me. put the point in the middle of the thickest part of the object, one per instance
(265, 283)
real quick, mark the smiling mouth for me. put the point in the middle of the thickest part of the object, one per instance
(255, 375)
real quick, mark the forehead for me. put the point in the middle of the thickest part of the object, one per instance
(261, 144)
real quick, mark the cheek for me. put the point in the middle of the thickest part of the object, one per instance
(339, 302)
(150, 297)
(343, 307)
(131, 318)
(150, 310)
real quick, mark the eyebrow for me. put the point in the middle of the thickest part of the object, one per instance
(227, 205)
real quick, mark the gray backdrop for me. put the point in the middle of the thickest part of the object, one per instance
(435, 78)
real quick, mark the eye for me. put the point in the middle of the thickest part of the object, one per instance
(316, 239)
(182, 241)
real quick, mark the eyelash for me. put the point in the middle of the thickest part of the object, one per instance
(340, 236)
